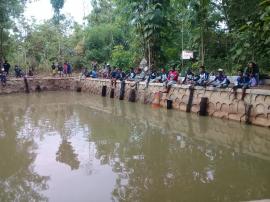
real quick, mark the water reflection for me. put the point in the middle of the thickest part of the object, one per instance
(18, 180)
(118, 151)
(66, 154)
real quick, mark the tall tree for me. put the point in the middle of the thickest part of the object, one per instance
(151, 20)
(57, 6)
(10, 10)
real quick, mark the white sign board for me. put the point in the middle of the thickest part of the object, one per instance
(187, 55)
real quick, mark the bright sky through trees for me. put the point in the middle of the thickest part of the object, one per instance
(42, 9)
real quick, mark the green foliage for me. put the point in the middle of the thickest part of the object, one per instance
(121, 58)
(100, 41)
(9, 11)
(252, 39)
(222, 33)
(57, 6)
(151, 21)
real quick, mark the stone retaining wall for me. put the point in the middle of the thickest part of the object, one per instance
(45, 84)
(221, 102)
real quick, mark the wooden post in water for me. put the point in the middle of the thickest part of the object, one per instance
(132, 96)
(122, 90)
(190, 99)
(79, 89)
(104, 91)
(248, 108)
(26, 85)
(169, 104)
(203, 106)
(112, 93)
(38, 88)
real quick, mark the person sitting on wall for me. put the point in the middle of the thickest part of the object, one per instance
(105, 72)
(131, 75)
(171, 79)
(252, 68)
(114, 76)
(93, 73)
(189, 77)
(221, 80)
(162, 76)
(202, 78)
(140, 76)
(18, 71)
(242, 81)
(121, 75)
(84, 73)
(252, 80)
(151, 77)
(31, 72)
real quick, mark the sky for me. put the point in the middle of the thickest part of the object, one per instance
(42, 10)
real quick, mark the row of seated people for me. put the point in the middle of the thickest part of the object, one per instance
(245, 79)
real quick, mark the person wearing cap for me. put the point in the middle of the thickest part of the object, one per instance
(221, 80)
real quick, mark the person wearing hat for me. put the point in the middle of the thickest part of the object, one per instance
(221, 80)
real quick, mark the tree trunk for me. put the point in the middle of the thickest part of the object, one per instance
(225, 11)
(202, 46)
(1, 46)
(149, 55)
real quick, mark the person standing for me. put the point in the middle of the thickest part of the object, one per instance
(53, 69)
(69, 69)
(65, 66)
(60, 70)
(6, 66)
(3, 77)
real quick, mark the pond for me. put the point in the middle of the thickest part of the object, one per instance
(64, 146)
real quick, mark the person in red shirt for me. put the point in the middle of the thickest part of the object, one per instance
(65, 68)
(171, 79)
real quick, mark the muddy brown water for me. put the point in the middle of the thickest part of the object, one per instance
(63, 146)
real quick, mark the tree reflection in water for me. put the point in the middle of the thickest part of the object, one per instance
(66, 155)
(18, 180)
(156, 156)
(158, 165)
